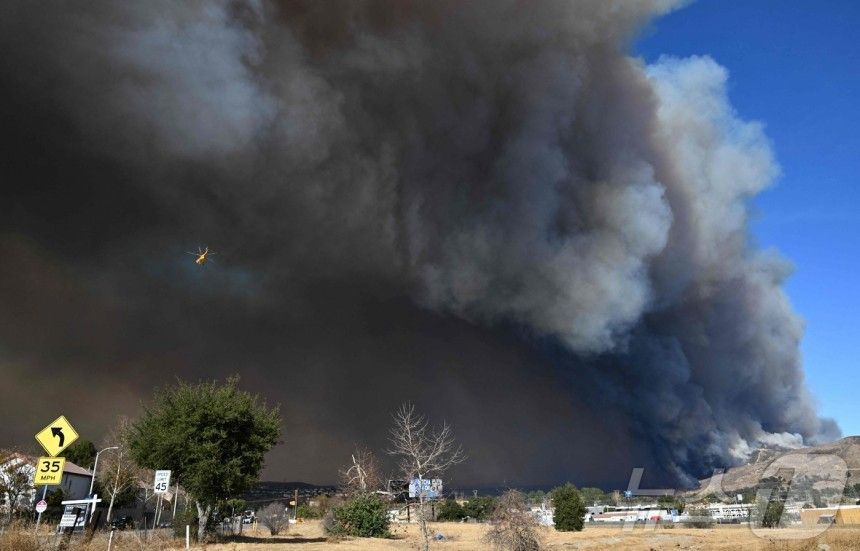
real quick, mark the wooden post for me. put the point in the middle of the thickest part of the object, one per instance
(91, 527)
(67, 533)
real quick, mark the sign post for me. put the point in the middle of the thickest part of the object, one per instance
(162, 484)
(56, 437)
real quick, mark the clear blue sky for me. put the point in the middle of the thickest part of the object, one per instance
(795, 66)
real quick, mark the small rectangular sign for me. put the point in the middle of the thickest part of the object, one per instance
(162, 481)
(69, 515)
(49, 471)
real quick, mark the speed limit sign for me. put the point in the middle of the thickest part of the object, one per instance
(162, 481)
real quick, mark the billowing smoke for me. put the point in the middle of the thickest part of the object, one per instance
(486, 207)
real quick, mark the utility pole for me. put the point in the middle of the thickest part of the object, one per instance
(175, 501)
(92, 509)
(296, 510)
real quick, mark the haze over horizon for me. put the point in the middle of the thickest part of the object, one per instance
(492, 209)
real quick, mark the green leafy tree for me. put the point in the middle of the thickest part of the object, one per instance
(671, 502)
(816, 499)
(771, 516)
(536, 497)
(212, 437)
(82, 453)
(480, 507)
(568, 509)
(590, 496)
(365, 516)
(450, 510)
(307, 512)
(233, 506)
(316, 508)
(55, 508)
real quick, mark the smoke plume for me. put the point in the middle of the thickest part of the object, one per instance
(487, 207)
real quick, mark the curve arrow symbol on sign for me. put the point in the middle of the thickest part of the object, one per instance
(58, 431)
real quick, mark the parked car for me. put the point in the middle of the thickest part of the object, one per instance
(165, 524)
(121, 523)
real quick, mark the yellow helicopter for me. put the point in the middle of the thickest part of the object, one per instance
(201, 255)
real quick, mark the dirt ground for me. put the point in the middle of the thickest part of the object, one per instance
(465, 537)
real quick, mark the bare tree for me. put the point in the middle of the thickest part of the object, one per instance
(275, 517)
(425, 452)
(117, 472)
(16, 478)
(513, 526)
(363, 475)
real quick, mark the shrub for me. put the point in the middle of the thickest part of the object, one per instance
(364, 516)
(513, 527)
(568, 509)
(480, 508)
(17, 537)
(275, 517)
(183, 518)
(700, 522)
(450, 510)
(311, 512)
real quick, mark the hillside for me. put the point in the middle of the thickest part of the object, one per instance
(816, 464)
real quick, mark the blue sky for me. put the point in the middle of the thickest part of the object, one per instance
(795, 66)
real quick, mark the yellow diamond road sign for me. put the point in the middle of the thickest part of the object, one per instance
(57, 436)
(49, 471)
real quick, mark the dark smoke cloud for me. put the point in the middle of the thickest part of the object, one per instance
(485, 207)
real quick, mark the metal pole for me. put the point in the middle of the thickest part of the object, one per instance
(157, 511)
(90, 511)
(175, 501)
(38, 520)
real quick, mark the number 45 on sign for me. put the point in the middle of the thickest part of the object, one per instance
(162, 481)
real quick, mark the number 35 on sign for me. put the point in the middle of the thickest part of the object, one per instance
(162, 481)
(49, 471)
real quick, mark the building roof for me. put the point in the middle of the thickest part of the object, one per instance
(71, 468)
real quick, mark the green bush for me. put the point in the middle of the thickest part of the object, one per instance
(480, 508)
(363, 516)
(568, 509)
(189, 517)
(311, 512)
(450, 510)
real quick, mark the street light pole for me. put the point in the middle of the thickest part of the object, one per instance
(92, 506)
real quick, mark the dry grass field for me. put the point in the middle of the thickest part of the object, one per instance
(467, 537)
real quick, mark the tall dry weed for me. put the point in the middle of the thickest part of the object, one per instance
(835, 539)
(16, 538)
(19, 538)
